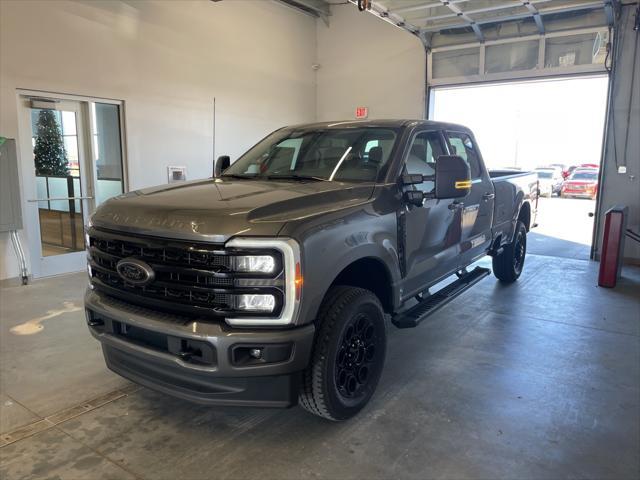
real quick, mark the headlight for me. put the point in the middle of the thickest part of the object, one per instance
(255, 264)
(256, 303)
(286, 264)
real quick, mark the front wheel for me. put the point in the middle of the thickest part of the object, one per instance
(507, 266)
(348, 354)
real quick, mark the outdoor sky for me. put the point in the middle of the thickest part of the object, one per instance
(530, 124)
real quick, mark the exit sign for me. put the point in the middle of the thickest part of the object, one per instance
(362, 112)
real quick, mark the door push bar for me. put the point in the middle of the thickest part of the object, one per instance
(52, 199)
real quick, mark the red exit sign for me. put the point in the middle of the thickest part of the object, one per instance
(362, 112)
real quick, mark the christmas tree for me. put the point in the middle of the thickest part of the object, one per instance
(50, 156)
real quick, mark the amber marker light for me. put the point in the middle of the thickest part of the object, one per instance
(298, 280)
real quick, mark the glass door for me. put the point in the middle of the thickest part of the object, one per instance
(72, 159)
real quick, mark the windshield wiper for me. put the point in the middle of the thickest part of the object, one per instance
(296, 177)
(237, 175)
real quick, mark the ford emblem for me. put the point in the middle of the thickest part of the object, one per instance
(135, 272)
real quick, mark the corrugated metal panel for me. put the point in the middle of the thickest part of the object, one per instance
(484, 19)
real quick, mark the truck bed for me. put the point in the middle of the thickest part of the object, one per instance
(504, 174)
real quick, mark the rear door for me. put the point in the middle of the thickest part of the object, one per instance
(477, 209)
(431, 232)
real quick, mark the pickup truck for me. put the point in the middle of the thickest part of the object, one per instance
(272, 283)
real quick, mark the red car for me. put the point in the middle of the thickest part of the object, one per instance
(583, 183)
(567, 173)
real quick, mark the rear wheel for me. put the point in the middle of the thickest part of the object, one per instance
(507, 266)
(348, 354)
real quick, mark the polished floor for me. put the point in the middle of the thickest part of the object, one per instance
(537, 380)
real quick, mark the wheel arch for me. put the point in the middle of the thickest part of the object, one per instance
(524, 215)
(370, 273)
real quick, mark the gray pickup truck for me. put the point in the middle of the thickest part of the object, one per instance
(272, 283)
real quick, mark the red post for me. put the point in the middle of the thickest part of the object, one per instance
(612, 247)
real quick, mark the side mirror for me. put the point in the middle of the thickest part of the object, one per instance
(220, 165)
(414, 197)
(412, 179)
(453, 177)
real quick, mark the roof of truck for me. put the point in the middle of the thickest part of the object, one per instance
(389, 123)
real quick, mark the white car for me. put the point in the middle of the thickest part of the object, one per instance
(550, 180)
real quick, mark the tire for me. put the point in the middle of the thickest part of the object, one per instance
(348, 354)
(507, 266)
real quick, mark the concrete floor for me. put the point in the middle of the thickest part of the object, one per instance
(564, 228)
(540, 379)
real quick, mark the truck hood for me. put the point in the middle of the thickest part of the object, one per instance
(217, 209)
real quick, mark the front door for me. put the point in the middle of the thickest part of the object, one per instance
(72, 160)
(432, 232)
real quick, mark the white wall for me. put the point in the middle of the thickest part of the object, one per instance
(365, 61)
(166, 60)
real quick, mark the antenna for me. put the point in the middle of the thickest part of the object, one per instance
(213, 138)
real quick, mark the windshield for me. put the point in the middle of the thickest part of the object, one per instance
(350, 154)
(584, 176)
(545, 174)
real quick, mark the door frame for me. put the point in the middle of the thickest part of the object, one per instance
(61, 264)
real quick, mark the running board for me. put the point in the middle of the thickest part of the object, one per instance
(431, 304)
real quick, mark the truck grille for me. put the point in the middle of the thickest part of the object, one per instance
(188, 277)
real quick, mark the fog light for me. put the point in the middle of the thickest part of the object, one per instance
(255, 263)
(256, 303)
(256, 353)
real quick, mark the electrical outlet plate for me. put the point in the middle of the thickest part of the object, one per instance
(622, 169)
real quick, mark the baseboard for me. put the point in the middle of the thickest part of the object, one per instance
(11, 282)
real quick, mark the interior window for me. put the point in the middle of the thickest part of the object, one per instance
(463, 146)
(425, 149)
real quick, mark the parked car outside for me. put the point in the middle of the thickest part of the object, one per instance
(564, 171)
(582, 183)
(550, 179)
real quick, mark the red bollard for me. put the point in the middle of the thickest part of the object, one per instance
(612, 246)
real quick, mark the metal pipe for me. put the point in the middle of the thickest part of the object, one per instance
(17, 246)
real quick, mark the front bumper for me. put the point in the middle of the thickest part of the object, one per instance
(200, 361)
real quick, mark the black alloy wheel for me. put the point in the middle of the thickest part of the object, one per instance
(356, 356)
(348, 354)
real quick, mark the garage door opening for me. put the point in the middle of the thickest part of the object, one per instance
(552, 126)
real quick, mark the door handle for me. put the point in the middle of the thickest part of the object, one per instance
(456, 205)
(51, 199)
(488, 196)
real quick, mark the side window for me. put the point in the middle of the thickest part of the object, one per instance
(425, 149)
(462, 145)
(287, 152)
(370, 144)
